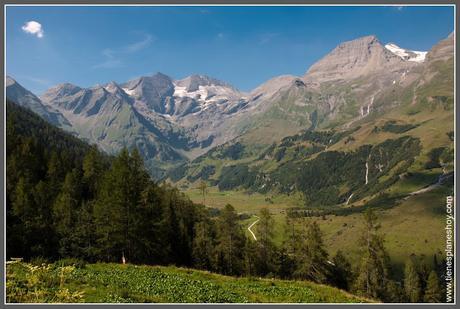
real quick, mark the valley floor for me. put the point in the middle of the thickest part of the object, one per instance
(116, 283)
(414, 225)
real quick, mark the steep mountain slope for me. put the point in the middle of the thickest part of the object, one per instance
(374, 135)
(339, 90)
(353, 59)
(105, 115)
(25, 98)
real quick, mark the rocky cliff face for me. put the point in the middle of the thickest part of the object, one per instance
(25, 98)
(353, 59)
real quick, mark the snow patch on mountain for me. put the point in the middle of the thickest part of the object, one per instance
(128, 92)
(409, 55)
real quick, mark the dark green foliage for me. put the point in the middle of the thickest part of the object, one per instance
(265, 251)
(312, 257)
(235, 176)
(178, 173)
(203, 245)
(433, 291)
(373, 274)
(66, 199)
(38, 157)
(412, 284)
(234, 152)
(434, 156)
(393, 127)
(342, 276)
(279, 154)
(320, 179)
(204, 173)
(320, 137)
(230, 240)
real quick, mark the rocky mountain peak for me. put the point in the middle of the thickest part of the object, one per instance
(193, 82)
(443, 50)
(114, 88)
(9, 81)
(354, 59)
(60, 90)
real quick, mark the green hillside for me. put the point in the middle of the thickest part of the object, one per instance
(117, 283)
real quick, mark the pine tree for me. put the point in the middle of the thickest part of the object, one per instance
(291, 237)
(433, 292)
(412, 282)
(341, 271)
(203, 187)
(230, 240)
(64, 212)
(116, 210)
(311, 260)
(373, 272)
(93, 167)
(203, 245)
(265, 262)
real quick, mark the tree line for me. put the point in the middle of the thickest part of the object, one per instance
(66, 199)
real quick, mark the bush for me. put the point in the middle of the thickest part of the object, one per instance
(38, 261)
(78, 263)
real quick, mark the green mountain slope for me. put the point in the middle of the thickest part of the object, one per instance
(115, 283)
(406, 138)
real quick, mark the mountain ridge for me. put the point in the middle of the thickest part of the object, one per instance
(197, 113)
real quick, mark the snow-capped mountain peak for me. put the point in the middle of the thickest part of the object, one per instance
(409, 55)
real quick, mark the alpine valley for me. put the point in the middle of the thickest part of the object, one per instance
(338, 177)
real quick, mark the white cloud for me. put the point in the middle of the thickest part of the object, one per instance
(34, 28)
(134, 47)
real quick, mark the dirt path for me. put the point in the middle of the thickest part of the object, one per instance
(440, 180)
(252, 224)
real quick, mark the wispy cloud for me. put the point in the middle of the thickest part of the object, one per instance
(113, 56)
(33, 27)
(267, 37)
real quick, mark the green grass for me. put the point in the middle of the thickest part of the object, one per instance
(415, 226)
(115, 283)
(243, 201)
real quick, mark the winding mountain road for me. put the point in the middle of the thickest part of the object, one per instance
(252, 224)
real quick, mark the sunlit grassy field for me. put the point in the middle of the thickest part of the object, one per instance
(115, 283)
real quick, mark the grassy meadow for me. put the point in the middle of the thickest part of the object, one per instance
(117, 283)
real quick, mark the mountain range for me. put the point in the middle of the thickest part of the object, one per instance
(173, 122)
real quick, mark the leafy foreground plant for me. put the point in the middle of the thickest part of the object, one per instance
(27, 283)
(114, 283)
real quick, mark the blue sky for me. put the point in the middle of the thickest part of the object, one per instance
(244, 46)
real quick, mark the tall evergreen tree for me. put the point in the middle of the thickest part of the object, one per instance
(433, 292)
(341, 271)
(115, 209)
(65, 210)
(412, 284)
(265, 262)
(230, 240)
(203, 245)
(312, 257)
(373, 273)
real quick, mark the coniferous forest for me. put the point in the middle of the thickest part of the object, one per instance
(66, 199)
